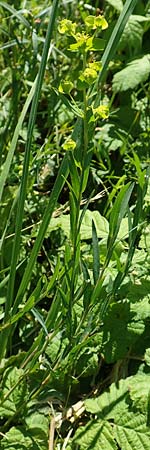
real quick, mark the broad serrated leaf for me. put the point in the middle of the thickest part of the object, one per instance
(129, 428)
(134, 73)
(131, 432)
(110, 403)
(142, 308)
(139, 387)
(96, 435)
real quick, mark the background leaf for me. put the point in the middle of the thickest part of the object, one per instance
(136, 72)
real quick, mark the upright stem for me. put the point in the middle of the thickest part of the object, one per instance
(76, 237)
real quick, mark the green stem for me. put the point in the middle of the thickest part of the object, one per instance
(76, 237)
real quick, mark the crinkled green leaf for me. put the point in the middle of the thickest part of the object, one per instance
(120, 331)
(96, 435)
(117, 4)
(147, 357)
(102, 226)
(139, 387)
(132, 35)
(131, 432)
(39, 422)
(110, 403)
(139, 18)
(14, 391)
(141, 308)
(129, 429)
(34, 436)
(134, 73)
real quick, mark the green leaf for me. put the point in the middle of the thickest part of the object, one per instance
(139, 391)
(23, 187)
(34, 436)
(140, 173)
(39, 319)
(95, 44)
(135, 73)
(147, 357)
(109, 404)
(117, 4)
(101, 224)
(118, 212)
(132, 35)
(96, 257)
(121, 330)
(60, 180)
(37, 420)
(96, 435)
(131, 432)
(14, 392)
(65, 87)
(72, 106)
(129, 429)
(87, 363)
(34, 297)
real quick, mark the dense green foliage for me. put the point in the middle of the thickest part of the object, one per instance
(74, 245)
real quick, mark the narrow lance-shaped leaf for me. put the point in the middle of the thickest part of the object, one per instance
(118, 212)
(133, 230)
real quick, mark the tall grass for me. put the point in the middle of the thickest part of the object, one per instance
(22, 194)
(67, 294)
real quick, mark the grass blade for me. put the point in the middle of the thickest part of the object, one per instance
(15, 13)
(12, 148)
(114, 41)
(62, 174)
(32, 117)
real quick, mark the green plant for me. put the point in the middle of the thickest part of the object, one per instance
(75, 302)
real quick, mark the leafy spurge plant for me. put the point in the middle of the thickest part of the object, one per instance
(86, 42)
